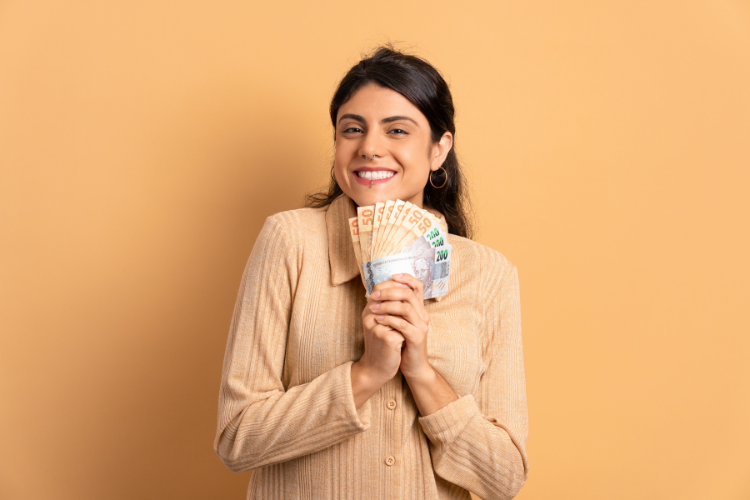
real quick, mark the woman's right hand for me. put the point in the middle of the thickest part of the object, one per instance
(382, 357)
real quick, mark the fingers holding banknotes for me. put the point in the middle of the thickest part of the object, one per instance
(398, 304)
(383, 344)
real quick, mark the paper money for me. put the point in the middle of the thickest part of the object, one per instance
(405, 235)
(379, 207)
(398, 232)
(431, 267)
(354, 232)
(394, 237)
(436, 237)
(364, 221)
(394, 215)
(387, 210)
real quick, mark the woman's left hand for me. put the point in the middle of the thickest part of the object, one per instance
(400, 305)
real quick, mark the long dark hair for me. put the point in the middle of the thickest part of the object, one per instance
(418, 81)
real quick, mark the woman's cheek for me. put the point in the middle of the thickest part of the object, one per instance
(339, 171)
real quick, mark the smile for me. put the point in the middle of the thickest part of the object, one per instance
(373, 177)
(381, 174)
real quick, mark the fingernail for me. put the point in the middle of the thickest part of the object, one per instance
(374, 306)
(376, 295)
(403, 286)
(397, 275)
(380, 318)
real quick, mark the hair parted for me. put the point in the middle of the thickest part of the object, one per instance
(419, 82)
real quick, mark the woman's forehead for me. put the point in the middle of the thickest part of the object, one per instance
(373, 102)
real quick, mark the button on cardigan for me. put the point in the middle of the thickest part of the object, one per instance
(286, 409)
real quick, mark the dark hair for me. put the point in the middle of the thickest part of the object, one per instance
(415, 79)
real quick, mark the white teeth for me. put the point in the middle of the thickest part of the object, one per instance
(382, 174)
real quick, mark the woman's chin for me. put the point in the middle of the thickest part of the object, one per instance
(367, 200)
(374, 195)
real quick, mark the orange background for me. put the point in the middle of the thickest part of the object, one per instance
(142, 144)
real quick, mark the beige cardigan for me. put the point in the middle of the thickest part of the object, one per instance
(286, 408)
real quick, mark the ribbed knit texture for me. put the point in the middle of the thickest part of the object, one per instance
(286, 408)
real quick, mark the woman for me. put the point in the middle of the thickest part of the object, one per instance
(326, 394)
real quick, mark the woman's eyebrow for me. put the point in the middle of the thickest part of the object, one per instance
(384, 120)
(398, 118)
(353, 117)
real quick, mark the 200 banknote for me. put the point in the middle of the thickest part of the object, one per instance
(399, 237)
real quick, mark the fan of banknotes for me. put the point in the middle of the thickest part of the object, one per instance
(399, 237)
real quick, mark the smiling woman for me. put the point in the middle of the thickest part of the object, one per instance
(328, 394)
(394, 112)
(382, 136)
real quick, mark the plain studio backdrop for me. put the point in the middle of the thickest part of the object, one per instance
(143, 144)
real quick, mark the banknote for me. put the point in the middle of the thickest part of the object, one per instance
(423, 249)
(377, 218)
(364, 221)
(400, 237)
(387, 210)
(393, 217)
(396, 231)
(436, 236)
(429, 265)
(395, 236)
(354, 232)
(426, 230)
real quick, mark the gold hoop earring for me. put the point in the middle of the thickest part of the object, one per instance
(444, 183)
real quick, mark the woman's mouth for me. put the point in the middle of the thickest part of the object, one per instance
(369, 177)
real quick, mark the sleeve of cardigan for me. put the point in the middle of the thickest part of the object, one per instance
(260, 423)
(480, 443)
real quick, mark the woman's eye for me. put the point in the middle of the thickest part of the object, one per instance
(399, 131)
(352, 129)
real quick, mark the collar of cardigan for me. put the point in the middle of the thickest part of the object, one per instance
(340, 249)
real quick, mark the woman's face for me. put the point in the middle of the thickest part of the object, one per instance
(383, 147)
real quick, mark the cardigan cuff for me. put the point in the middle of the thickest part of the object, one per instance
(443, 426)
(361, 416)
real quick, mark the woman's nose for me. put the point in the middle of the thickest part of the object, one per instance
(370, 146)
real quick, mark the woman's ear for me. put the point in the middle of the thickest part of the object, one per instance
(440, 150)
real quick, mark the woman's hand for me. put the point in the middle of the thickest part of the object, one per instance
(382, 357)
(383, 344)
(399, 305)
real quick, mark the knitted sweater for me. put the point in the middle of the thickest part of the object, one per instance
(286, 409)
